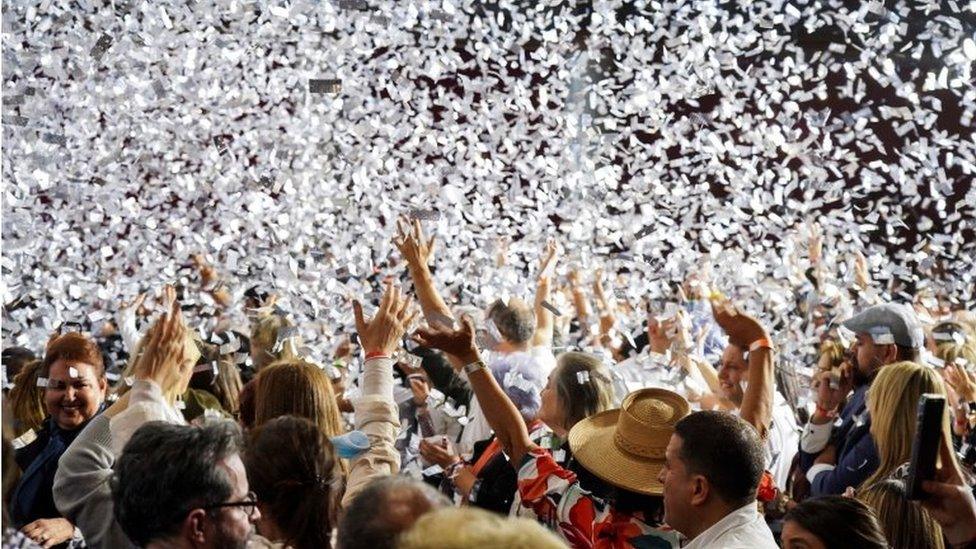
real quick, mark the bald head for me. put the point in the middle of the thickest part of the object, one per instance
(384, 509)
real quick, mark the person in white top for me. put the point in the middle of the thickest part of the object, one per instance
(712, 468)
(783, 436)
(519, 343)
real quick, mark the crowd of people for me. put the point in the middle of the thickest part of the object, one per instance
(533, 422)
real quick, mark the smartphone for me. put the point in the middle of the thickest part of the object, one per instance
(925, 447)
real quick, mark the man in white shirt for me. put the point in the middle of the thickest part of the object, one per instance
(713, 465)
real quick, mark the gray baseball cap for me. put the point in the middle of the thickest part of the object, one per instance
(888, 323)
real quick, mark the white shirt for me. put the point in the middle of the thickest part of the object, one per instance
(743, 528)
(477, 427)
(782, 442)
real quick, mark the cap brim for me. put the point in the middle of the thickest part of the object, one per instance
(591, 441)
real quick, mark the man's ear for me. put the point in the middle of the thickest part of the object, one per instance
(700, 490)
(890, 353)
(195, 527)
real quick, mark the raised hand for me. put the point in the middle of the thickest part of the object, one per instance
(547, 266)
(741, 328)
(574, 278)
(128, 309)
(167, 355)
(815, 243)
(382, 333)
(207, 273)
(414, 247)
(442, 455)
(962, 382)
(862, 276)
(458, 343)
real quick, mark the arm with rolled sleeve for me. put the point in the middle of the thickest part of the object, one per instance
(852, 468)
(376, 416)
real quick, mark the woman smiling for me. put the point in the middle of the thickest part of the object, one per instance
(74, 393)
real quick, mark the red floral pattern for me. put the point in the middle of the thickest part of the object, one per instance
(583, 520)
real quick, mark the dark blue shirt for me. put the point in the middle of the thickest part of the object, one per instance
(33, 497)
(857, 456)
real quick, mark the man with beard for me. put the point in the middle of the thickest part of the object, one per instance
(836, 449)
(181, 486)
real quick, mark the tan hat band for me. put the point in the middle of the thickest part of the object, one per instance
(641, 450)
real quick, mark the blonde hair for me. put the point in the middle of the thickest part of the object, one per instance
(264, 337)
(473, 528)
(893, 403)
(27, 399)
(949, 351)
(297, 388)
(905, 523)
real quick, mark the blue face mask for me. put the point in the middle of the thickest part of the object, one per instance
(350, 444)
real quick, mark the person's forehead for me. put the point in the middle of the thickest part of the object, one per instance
(71, 369)
(674, 446)
(233, 467)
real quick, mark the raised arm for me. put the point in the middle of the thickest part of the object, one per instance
(501, 414)
(543, 316)
(376, 412)
(579, 301)
(746, 333)
(417, 252)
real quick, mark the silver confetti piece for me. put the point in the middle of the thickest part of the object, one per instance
(327, 85)
(101, 46)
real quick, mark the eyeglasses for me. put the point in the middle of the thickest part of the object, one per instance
(248, 505)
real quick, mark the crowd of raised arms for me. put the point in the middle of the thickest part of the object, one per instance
(539, 421)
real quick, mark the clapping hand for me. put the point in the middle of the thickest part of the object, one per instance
(382, 333)
(167, 355)
(962, 382)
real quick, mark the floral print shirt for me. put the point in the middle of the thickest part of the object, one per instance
(581, 518)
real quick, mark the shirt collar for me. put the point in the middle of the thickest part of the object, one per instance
(736, 519)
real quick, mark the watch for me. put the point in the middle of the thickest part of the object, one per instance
(474, 367)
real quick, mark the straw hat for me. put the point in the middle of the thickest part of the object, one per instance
(625, 447)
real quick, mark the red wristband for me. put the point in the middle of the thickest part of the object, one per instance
(376, 354)
(760, 343)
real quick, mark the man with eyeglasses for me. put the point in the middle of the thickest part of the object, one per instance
(184, 486)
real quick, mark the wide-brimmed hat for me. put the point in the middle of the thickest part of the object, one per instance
(625, 447)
